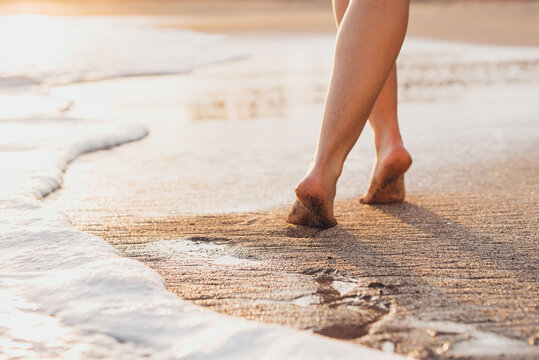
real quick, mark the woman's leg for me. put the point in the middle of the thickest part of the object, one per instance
(392, 158)
(368, 42)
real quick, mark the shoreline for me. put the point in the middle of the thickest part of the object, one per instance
(443, 256)
(100, 314)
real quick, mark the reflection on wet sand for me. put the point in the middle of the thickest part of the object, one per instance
(242, 104)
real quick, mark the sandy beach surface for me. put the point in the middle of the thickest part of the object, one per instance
(450, 273)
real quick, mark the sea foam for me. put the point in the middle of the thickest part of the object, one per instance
(60, 50)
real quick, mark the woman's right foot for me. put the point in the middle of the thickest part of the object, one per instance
(387, 181)
(314, 204)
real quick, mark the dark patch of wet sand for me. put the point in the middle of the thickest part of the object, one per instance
(468, 257)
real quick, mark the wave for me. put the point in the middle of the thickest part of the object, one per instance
(61, 50)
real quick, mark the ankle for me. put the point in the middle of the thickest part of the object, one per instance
(387, 141)
(326, 169)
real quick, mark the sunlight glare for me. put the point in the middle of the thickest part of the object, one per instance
(31, 41)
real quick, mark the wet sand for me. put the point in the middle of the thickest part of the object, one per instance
(404, 273)
(450, 273)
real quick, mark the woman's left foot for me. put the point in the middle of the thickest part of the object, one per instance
(387, 181)
(300, 215)
(314, 202)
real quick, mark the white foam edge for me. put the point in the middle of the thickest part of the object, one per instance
(64, 281)
(478, 342)
(52, 182)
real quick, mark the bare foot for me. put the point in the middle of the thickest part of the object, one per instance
(314, 205)
(387, 181)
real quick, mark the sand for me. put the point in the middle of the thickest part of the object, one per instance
(461, 250)
(466, 257)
